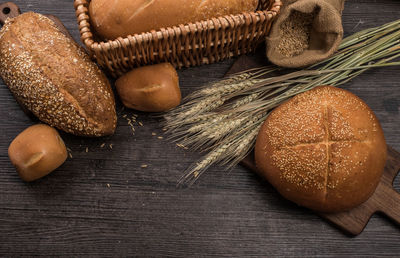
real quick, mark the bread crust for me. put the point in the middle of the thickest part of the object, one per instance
(323, 149)
(119, 18)
(153, 88)
(50, 75)
(37, 151)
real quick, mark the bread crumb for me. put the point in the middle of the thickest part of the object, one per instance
(160, 137)
(131, 121)
(144, 166)
(102, 146)
(182, 146)
(111, 146)
(108, 185)
(87, 150)
(154, 134)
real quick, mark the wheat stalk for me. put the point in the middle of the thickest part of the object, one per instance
(223, 118)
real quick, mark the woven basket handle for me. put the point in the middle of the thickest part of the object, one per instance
(8, 10)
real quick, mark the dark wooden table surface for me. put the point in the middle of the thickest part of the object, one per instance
(103, 202)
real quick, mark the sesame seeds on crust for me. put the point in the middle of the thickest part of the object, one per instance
(52, 76)
(320, 145)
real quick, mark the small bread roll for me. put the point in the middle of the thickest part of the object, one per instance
(37, 151)
(151, 88)
(323, 149)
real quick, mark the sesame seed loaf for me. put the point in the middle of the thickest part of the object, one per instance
(50, 75)
(324, 149)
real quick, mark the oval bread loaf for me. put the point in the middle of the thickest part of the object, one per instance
(119, 18)
(323, 149)
(50, 75)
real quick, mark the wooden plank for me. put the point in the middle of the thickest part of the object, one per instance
(73, 212)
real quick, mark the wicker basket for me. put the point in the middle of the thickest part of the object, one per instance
(187, 45)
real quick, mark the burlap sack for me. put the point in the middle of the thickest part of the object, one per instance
(306, 32)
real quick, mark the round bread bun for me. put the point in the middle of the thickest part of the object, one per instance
(323, 149)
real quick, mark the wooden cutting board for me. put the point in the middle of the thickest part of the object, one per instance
(385, 200)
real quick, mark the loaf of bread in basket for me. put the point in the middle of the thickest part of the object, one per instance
(190, 43)
(119, 18)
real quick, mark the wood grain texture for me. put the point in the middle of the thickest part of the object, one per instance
(75, 212)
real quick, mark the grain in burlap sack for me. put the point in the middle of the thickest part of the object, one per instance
(306, 32)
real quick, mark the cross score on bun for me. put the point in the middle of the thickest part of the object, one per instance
(50, 75)
(119, 18)
(323, 149)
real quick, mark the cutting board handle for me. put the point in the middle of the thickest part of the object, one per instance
(391, 206)
(388, 199)
(8, 10)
